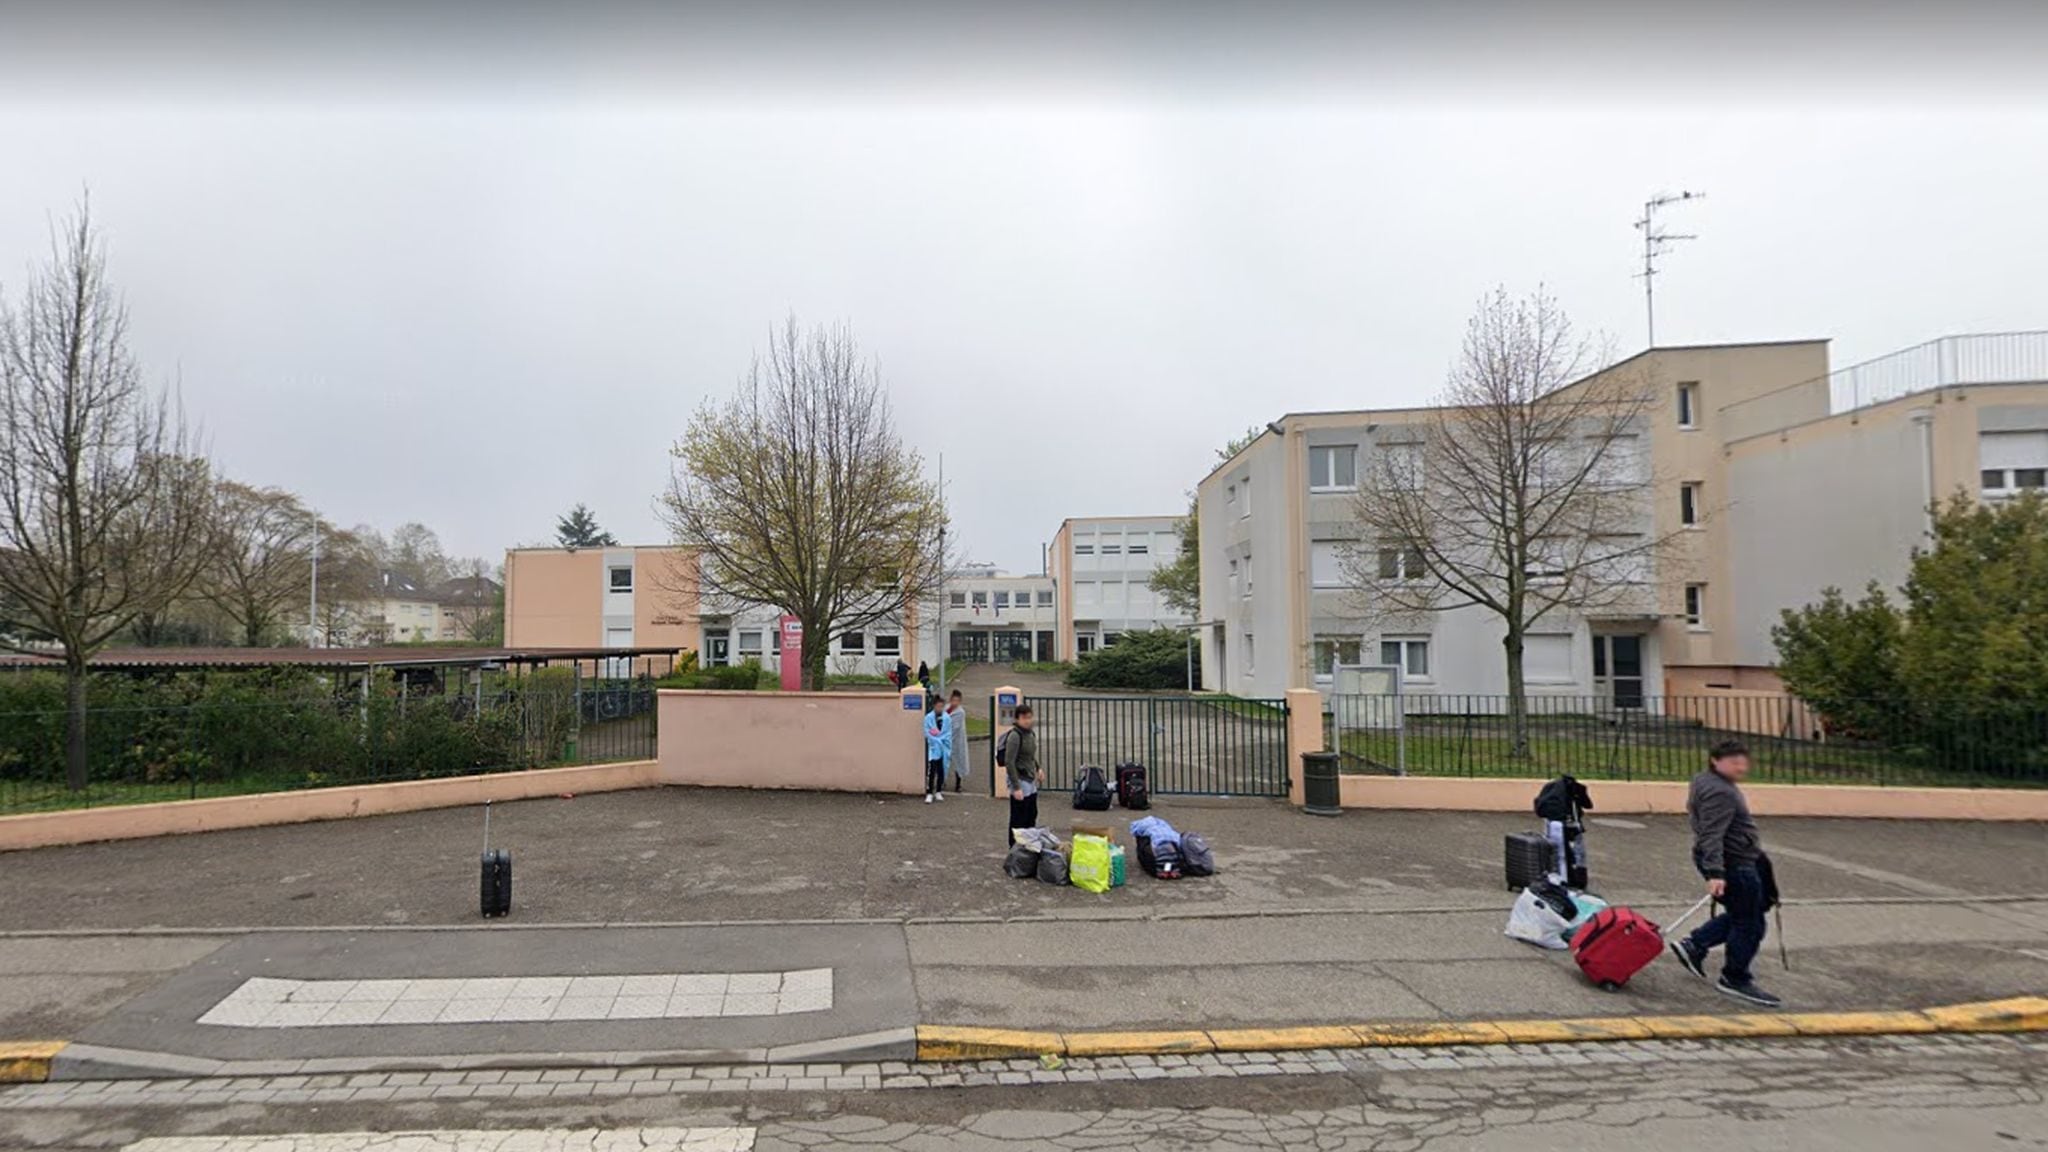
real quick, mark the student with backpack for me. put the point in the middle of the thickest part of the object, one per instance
(1017, 755)
(938, 749)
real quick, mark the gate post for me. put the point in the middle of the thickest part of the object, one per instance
(1304, 734)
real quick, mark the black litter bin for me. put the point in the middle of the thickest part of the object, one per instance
(1319, 790)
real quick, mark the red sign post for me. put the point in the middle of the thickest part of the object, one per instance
(792, 654)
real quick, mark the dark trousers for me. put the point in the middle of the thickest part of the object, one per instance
(1023, 814)
(1740, 925)
(934, 777)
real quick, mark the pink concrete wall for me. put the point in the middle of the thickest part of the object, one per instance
(133, 821)
(825, 741)
(1618, 798)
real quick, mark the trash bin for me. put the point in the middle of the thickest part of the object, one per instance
(1319, 791)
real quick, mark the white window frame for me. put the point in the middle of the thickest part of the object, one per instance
(1247, 576)
(1084, 549)
(980, 598)
(1686, 405)
(1112, 549)
(853, 644)
(1402, 463)
(956, 599)
(1250, 655)
(888, 644)
(1405, 572)
(1139, 549)
(1407, 647)
(1689, 504)
(1332, 575)
(1334, 645)
(1696, 607)
(1045, 597)
(1245, 509)
(1327, 480)
(611, 578)
(1002, 600)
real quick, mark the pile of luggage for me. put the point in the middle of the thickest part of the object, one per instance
(1094, 862)
(1554, 910)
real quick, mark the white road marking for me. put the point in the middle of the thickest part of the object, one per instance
(469, 1140)
(264, 1002)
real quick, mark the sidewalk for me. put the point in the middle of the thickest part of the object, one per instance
(1371, 916)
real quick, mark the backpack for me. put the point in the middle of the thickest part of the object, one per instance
(1562, 800)
(1195, 852)
(1091, 790)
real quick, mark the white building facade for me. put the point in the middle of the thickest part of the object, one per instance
(1103, 568)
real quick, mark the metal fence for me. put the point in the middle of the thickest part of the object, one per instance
(1190, 745)
(1960, 745)
(234, 747)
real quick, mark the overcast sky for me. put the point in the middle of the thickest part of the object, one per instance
(470, 269)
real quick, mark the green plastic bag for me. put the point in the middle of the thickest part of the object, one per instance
(1089, 867)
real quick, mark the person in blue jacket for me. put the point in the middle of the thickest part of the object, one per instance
(938, 749)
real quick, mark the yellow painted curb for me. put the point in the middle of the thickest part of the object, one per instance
(1570, 1031)
(1137, 1043)
(27, 1061)
(939, 1042)
(936, 1042)
(2019, 1014)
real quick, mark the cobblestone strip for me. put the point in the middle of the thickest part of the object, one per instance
(526, 1084)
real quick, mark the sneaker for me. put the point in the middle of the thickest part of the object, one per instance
(1695, 962)
(940, 795)
(1748, 992)
(927, 797)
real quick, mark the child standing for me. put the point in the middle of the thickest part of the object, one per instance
(938, 749)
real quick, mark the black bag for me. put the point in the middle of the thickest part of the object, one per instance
(1021, 863)
(1091, 790)
(1161, 862)
(1528, 859)
(497, 882)
(1563, 799)
(1197, 855)
(1557, 897)
(1052, 867)
(1131, 791)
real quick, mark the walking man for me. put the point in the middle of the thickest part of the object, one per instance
(1018, 757)
(1728, 852)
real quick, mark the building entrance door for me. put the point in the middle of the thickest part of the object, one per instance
(1618, 670)
(717, 649)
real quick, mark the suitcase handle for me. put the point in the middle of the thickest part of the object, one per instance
(1689, 913)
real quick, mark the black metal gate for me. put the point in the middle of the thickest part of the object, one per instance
(1190, 745)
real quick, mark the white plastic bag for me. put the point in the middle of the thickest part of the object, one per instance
(1534, 922)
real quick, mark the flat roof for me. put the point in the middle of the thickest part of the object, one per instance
(116, 659)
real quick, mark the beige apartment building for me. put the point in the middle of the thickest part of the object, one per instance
(1775, 477)
(1101, 567)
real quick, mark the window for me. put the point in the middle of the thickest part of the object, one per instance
(1084, 549)
(887, 645)
(1689, 503)
(980, 599)
(1401, 465)
(1326, 563)
(750, 644)
(1333, 469)
(1112, 549)
(1230, 495)
(1402, 564)
(1696, 606)
(1329, 651)
(1045, 597)
(1548, 560)
(1235, 587)
(1002, 601)
(1409, 654)
(1247, 575)
(1249, 661)
(2030, 477)
(957, 599)
(1547, 659)
(853, 643)
(1245, 509)
(1688, 404)
(622, 578)
(1140, 549)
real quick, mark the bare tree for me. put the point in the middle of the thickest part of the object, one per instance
(103, 506)
(262, 560)
(349, 584)
(799, 493)
(1524, 494)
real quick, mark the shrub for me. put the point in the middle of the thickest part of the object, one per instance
(1156, 658)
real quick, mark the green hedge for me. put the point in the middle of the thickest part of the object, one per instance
(1156, 658)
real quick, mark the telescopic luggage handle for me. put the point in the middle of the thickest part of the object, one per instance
(1689, 913)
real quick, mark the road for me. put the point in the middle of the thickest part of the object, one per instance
(1875, 1095)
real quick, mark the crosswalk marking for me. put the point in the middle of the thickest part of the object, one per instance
(469, 1140)
(266, 1002)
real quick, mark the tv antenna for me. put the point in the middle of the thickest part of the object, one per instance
(1656, 242)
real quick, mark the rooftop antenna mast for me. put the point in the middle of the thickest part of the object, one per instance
(1656, 242)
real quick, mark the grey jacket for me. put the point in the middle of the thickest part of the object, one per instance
(1020, 760)
(1724, 835)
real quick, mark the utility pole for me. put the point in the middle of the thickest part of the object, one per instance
(1656, 242)
(939, 612)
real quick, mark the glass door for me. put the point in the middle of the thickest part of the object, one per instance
(1618, 670)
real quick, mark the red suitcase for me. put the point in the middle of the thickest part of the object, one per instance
(1619, 942)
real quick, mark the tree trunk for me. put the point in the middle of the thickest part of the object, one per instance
(1518, 704)
(75, 768)
(816, 645)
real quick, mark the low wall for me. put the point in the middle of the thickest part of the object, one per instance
(1641, 797)
(822, 741)
(177, 817)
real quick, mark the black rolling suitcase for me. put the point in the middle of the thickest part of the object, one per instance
(1131, 790)
(495, 893)
(1528, 859)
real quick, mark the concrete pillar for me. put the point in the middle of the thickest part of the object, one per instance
(1304, 734)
